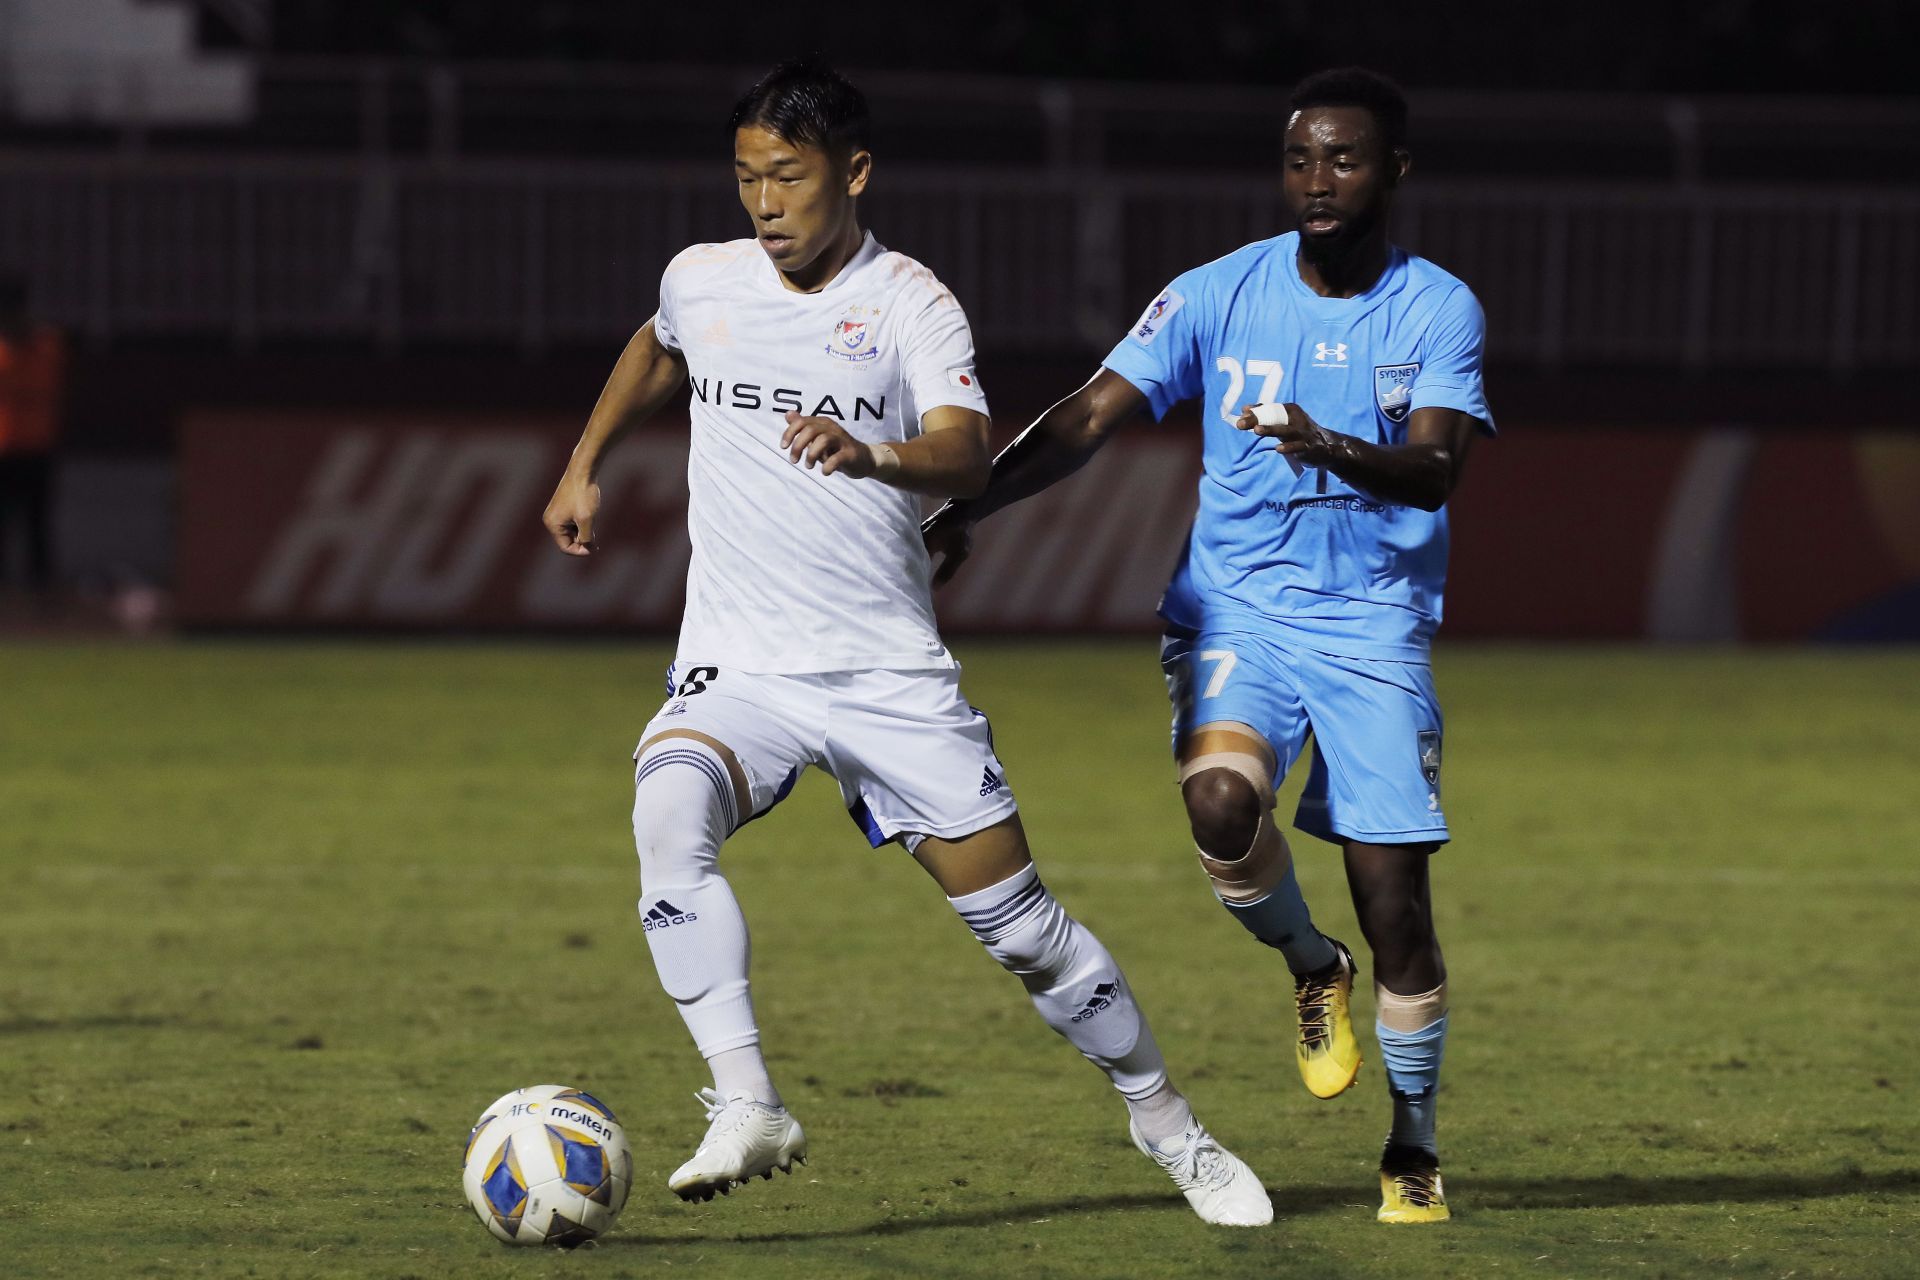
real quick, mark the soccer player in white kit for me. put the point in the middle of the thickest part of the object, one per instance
(833, 382)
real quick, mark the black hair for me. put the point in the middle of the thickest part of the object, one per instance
(809, 104)
(1358, 87)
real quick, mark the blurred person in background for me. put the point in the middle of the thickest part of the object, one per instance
(32, 372)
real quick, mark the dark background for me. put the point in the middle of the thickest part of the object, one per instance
(1681, 218)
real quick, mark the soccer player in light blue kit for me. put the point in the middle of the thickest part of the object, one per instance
(1339, 380)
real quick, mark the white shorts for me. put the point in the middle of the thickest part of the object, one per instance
(913, 758)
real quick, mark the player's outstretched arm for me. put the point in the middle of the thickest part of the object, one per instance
(1420, 473)
(644, 378)
(1058, 444)
(947, 458)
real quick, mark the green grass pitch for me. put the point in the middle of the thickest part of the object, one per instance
(277, 920)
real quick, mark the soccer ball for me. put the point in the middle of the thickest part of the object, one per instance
(548, 1165)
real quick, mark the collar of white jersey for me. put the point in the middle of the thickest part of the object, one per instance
(869, 250)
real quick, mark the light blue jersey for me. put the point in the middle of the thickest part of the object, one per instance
(1295, 552)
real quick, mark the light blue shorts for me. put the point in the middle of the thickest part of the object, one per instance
(1375, 725)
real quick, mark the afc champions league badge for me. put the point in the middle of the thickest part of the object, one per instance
(1393, 389)
(853, 335)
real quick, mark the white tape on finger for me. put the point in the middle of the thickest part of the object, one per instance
(1270, 415)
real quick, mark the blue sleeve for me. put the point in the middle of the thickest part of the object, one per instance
(1161, 353)
(1449, 376)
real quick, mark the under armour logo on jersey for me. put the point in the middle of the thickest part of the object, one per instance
(1329, 355)
(990, 782)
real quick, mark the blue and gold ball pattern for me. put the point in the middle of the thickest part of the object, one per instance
(547, 1165)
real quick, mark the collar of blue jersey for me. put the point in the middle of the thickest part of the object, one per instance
(1390, 282)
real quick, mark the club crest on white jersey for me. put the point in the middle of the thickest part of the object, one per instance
(853, 336)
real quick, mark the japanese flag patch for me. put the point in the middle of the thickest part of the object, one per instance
(963, 378)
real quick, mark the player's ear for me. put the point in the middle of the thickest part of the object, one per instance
(1402, 164)
(859, 169)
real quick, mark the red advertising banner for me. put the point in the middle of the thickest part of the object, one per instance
(362, 521)
(355, 520)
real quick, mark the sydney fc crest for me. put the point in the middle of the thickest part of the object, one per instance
(1430, 766)
(1393, 389)
(853, 338)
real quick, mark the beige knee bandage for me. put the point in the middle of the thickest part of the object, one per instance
(1409, 1014)
(1253, 876)
(1244, 763)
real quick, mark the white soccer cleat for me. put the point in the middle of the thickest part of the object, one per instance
(1217, 1183)
(745, 1138)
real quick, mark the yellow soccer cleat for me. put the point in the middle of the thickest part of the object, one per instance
(1327, 1051)
(1411, 1192)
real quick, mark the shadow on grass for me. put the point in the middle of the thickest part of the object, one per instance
(96, 1022)
(1471, 1195)
(1616, 1190)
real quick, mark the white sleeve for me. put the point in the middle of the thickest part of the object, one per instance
(936, 357)
(663, 328)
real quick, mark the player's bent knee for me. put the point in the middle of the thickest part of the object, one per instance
(684, 805)
(1223, 810)
(1226, 794)
(1037, 946)
(1021, 926)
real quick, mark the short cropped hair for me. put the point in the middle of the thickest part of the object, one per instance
(1358, 87)
(808, 103)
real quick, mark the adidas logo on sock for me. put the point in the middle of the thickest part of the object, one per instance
(1102, 997)
(990, 782)
(664, 915)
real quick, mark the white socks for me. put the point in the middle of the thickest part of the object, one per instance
(1078, 989)
(683, 807)
(743, 1070)
(1161, 1116)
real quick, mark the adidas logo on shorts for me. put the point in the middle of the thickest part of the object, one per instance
(664, 915)
(990, 782)
(1102, 997)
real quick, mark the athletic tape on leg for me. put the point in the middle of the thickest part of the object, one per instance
(1246, 764)
(1255, 874)
(1409, 1014)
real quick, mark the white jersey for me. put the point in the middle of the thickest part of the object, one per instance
(794, 572)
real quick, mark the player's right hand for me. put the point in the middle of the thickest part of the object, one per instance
(570, 515)
(948, 534)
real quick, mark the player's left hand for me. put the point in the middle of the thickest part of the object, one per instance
(948, 535)
(824, 443)
(1301, 437)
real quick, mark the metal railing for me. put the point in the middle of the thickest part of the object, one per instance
(674, 111)
(401, 252)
